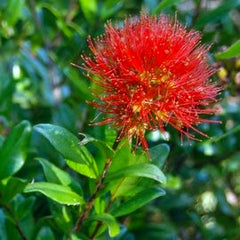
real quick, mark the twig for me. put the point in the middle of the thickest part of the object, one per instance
(106, 210)
(15, 223)
(98, 187)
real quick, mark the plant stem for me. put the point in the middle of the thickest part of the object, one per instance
(106, 210)
(98, 187)
(101, 223)
(21, 234)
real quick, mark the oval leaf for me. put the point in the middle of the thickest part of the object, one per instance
(58, 193)
(63, 141)
(14, 149)
(56, 175)
(138, 201)
(159, 154)
(232, 51)
(138, 170)
(113, 227)
(68, 146)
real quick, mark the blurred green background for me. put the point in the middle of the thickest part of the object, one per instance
(38, 42)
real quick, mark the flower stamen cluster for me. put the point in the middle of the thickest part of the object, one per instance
(151, 72)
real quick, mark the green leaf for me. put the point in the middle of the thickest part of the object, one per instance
(82, 169)
(113, 227)
(56, 175)
(24, 206)
(45, 233)
(232, 51)
(89, 8)
(10, 187)
(138, 170)
(14, 149)
(216, 14)
(58, 193)
(62, 217)
(98, 143)
(159, 154)
(139, 200)
(68, 146)
(63, 141)
(13, 11)
(165, 4)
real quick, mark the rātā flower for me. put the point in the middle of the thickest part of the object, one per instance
(151, 72)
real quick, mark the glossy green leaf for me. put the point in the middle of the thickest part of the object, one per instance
(58, 193)
(82, 169)
(56, 175)
(98, 143)
(113, 227)
(231, 52)
(159, 154)
(138, 170)
(165, 4)
(13, 152)
(139, 200)
(68, 146)
(10, 187)
(63, 141)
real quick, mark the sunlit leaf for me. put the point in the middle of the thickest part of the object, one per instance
(89, 8)
(68, 146)
(59, 193)
(56, 175)
(138, 170)
(13, 11)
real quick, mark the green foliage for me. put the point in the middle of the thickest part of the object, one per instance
(67, 144)
(112, 224)
(139, 200)
(59, 193)
(138, 170)
(10, 187)
(13, 150)
(231, 52)
(48, 171)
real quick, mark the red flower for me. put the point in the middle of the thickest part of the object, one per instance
(151, 72)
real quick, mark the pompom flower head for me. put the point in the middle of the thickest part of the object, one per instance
(150, 73)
